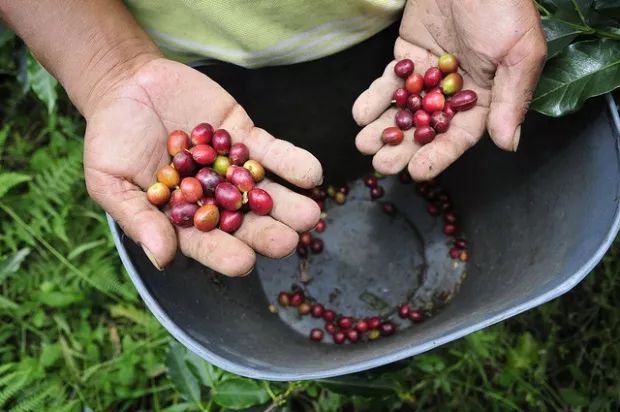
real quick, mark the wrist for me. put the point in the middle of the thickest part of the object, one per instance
(106, 69)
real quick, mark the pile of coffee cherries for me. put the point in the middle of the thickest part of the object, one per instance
(345, 328)
(210, 182)
(429, 101)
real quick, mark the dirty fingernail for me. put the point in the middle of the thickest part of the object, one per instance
(516, 138)
(245, 274)
(149, 255)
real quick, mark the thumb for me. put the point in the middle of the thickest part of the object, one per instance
(513, 87)
(141, 221)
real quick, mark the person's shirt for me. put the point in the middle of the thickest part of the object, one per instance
(254, 33)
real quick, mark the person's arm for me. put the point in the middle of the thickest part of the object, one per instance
(88, 45)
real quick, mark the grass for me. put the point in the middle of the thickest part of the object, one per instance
(75, 336)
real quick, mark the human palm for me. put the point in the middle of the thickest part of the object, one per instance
(126, 144)
(501, 49)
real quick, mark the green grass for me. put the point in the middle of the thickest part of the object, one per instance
(75, 336)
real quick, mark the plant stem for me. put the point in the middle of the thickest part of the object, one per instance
(542, 9)
(578, 9)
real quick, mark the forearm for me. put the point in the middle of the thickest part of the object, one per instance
(88, 45)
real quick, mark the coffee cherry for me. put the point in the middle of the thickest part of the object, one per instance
(284, 299)
(448, 110)
(221, 141)
(242, 178)
(374, 334)
(389, 208)
(169, 176)
(464, 100)
(424, 135)
(259, 201)
(421, 118)
(158, 194)
(404, 119)
(371, 182)
(416, 316)
(176, 198)
(340, 198)
(239, 154)
(329, 315)
(404, 68)
(449, 229)
(297, 298)
(320, 226)
(392, 136)
(191, 189)
(201, 134)
(209, 180)
(344, 189)
(221, 165)
(403, 310)
(206, 218)
(178, 141)
(183, 214)
(228, 196)
(377, 192)
(454, 252)
(460, 243)
(451, 84)
(184, 163)
(361, 326)
(330, 328)
(448, 63)
(440, 122)
(414, 83)
(374, 322)
(316, 334)
(316, 246)
(414, 102)
(433, 102)
(305, 239)
(203, 154)
(463, 256)
(400, 97)
(352, 335)
(345, 322)
(257, 170)
(317, 310)
(304, 309)
(387, 328)
(302, 251)
(432, 77)
(230, 221)
(338, 337)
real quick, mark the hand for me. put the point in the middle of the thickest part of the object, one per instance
(501, 49)
(126, 144)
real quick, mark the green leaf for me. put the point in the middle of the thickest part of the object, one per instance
(132, 313)
(180, 407)
(179, 373)
(559, 35)
(359, 385)
(9, 180)
(208, 374)
(12, 264)
(238, 393)
(42, 83)
(58, 299)
(50, 354)
(573, 397)
(583, 70)
(7, 303)
(5, 34)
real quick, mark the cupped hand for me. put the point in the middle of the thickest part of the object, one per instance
(501, 49)
(126, 144)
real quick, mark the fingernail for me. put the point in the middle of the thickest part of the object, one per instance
(516, 138)
(149, 255)
(245, 274)
(321, 181)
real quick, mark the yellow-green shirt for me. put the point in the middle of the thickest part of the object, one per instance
(254, 33)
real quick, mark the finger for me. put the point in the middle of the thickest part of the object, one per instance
(217, 250)
(294, 210)
(392, 159)
(288, 161)
(200, 99)
(465, 130)
(141, 221)
(378, 97)
(368, 140)
(267, 236)
(513, 87)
